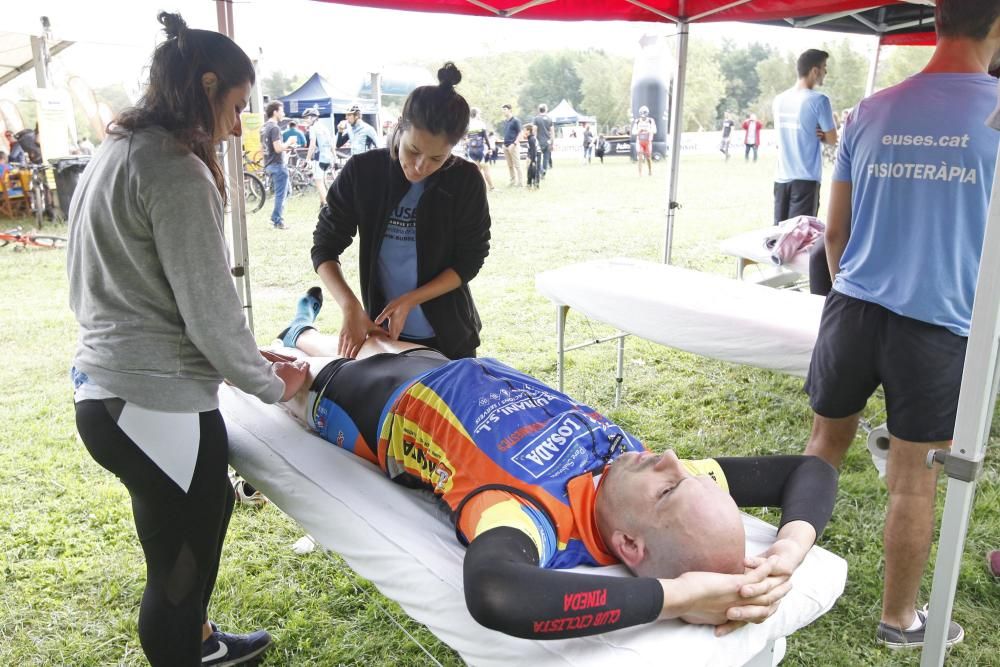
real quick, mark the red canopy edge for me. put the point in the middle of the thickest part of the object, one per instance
(909, 39)
(622, 10)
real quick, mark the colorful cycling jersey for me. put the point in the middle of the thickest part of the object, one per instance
(644, 129)
(499, 449)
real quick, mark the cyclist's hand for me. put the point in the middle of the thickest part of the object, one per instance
(353, 331)
(294, 374)
(395, 313)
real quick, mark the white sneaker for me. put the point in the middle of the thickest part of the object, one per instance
(240, 486)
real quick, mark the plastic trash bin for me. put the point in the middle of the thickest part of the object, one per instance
(67, 172)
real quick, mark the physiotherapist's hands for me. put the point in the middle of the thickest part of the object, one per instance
(354, 330)
(294, 374)
(395, 313)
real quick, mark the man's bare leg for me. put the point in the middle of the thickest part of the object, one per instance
(831, 438)
(909, 525)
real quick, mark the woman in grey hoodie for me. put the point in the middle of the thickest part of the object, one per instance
(161, 325)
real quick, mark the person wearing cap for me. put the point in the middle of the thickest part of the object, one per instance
(512, 145)
(363, 136)
(320, 151)
(644, 129)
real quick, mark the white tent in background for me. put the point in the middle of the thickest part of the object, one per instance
(564, 114)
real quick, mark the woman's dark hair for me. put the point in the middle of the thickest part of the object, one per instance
(435, 109)
(175, 98)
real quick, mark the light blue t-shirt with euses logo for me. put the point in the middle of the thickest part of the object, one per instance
(798, 113)
(921, 162)
(397, 260)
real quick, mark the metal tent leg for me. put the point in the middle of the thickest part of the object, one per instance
(620, 378)
(561, 312)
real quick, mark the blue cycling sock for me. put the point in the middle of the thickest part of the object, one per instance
(306, 310)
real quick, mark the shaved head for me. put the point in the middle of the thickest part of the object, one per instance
(661, 521)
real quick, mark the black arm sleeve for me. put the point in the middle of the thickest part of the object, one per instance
(338, 220)
(803, 486)
(505, 590)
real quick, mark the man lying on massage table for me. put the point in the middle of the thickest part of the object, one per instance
(536, 482)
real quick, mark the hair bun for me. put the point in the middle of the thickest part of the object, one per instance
(172, 24)
(449, 76)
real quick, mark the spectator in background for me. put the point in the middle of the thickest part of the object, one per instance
(534, 171)
(343, 139)
(511, 145)
(601, 148)
(494, 152)
(727, 131)
(544, 134)
(363, 136)
(276, 159)
(477, 145)
(86, 146)
(644, 129)
(17, 154)
(751, 137)
(804, 120)
(320, 152)
(904, 237)
(293, 136)
(588, 143)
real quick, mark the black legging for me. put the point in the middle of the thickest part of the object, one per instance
(181, 533)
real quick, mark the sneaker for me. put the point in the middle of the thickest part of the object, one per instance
(993, 563)
(222, 649)
(895, 637)
(279, 225)
(246, 494)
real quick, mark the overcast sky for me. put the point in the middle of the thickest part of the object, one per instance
(115, 37)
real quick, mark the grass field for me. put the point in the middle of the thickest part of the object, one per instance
(72, 570)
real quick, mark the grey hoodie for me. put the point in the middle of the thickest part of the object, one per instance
(160, 321)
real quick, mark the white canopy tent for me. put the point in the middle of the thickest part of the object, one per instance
(963, 464)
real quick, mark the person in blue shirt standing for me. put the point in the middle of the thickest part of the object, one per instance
(512, 145)
(293, 131)
(423, 225)
(363, 136)
(904, 239)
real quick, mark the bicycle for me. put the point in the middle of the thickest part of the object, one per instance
(40, 196)
(255, 183)
(24, 241)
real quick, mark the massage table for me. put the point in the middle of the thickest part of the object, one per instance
(401, 541)
(748, 248)
(701, 313)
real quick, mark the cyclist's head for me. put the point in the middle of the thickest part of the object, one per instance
(643, 111)
(199, 81)
(434, 111)
(353, 114)
(311, 114)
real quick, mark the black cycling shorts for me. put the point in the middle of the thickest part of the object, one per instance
(362, 387)
(919, 365)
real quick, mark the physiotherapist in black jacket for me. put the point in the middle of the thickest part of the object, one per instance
(424, 227)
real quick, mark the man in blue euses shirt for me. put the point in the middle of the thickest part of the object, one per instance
(904, 238)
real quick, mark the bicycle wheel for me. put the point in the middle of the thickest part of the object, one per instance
(38, 204)
(48, 242)
(253, 192)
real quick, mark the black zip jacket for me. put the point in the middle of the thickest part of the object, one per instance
(453, 231)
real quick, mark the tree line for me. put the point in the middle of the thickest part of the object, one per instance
(721, 78)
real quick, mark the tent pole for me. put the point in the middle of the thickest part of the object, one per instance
(676, 126)
(873, 68)
(963, 464)
(233, 165)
